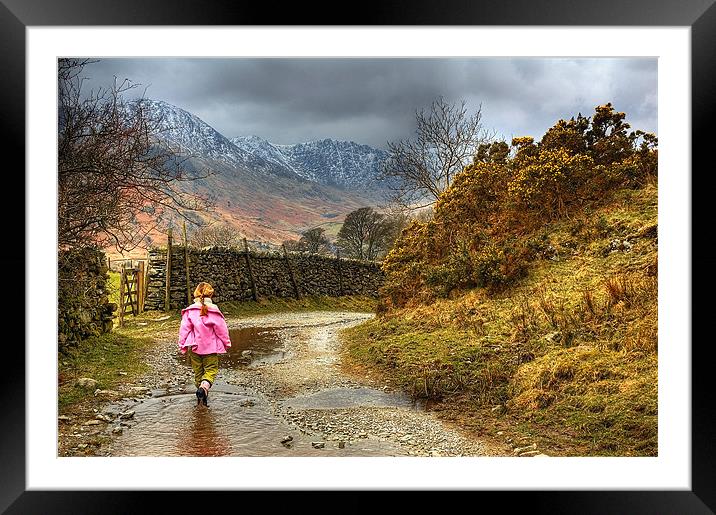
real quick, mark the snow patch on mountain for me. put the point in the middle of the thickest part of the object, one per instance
(344, 164)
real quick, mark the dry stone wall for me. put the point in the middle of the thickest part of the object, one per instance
(227, 271)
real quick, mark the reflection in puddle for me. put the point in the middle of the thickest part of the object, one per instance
(253, 345)
(231, 426)
(250, 346)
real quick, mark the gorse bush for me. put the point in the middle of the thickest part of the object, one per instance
(483, 232)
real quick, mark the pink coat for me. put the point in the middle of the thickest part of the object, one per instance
(206, 334)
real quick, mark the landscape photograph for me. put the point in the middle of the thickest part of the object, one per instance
(404, 257)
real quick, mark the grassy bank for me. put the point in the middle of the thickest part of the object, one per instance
(101, 358)
(568, 355)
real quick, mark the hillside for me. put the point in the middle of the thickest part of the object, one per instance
(527, 307)
(262, 193)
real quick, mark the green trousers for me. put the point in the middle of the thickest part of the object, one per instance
(205, 367)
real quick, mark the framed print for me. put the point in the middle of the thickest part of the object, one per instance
(259, 94)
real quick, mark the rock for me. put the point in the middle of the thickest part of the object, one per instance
(530, 453)
(318, 445)
(245, 353)
(500, 433)
(519, 450)
(106, 393)
(122, 373)
(87, 382)
(82, 446)
(554, 337)
(93, 422)
(64, 418)
(247, 403)
(362, 434)
(286, 439)
(541, 455)
(117, 430)
(341, 444)
(137, 390)
(103, 418)
(126, 415)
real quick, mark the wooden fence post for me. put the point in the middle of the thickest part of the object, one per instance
(254, 293)
(140, 286)
(121, 297)
(168, 271)
(290, 273)
(186, 267)
(340, 272)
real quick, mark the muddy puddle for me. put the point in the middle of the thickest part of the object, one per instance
(236, 423)
(240, 421)
(250, 346)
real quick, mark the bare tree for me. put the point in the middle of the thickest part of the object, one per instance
(368, 235)
(217, 235)
(418, 170)
(314, 241)
(117, 180)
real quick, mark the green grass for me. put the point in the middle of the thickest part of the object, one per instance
(313, 303)
(100, 358)
(591, 392)
(113, 286)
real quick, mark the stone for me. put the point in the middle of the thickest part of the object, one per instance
(287, 439)
(117, 430)
(541, 455)
(500, 433)
(122, 373)
(341, 444)
(247, 403)
(554, 337)
(318, 445)
(530, 453)
(126, 415)
(103, 418)
(93, 422)
(87, 382)
(64, 418)
(106, 393)
(246, 352)
(82, 446)
(137, 390)
(519, 450)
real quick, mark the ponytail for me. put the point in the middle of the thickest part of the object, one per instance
(204, 308)
(201, 291)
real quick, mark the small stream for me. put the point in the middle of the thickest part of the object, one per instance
(239, 421)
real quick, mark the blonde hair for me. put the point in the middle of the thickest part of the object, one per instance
(203, 290)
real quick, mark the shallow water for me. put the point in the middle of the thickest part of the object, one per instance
(238, 421)
(235, 424)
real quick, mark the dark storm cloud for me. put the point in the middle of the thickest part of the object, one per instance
(374, 100)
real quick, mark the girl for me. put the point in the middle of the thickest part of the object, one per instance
(203, 333)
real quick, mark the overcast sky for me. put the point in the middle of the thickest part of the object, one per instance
(372, 101)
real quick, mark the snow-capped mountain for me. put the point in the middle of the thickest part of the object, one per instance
(268, 192)
(194, 137)
(343, 164)
(189, 133)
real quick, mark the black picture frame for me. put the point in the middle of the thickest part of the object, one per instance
(700, 15)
